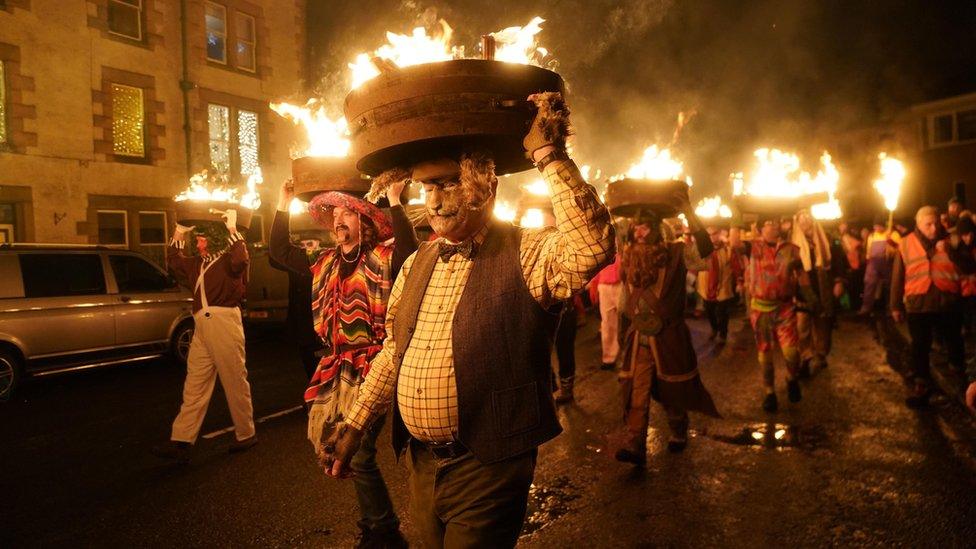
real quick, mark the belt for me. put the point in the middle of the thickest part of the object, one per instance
(442, 450)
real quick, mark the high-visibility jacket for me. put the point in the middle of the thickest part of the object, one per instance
(921, 272)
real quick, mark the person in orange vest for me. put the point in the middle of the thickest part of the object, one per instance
(926, 291)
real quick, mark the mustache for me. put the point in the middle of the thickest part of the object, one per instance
(341, 226)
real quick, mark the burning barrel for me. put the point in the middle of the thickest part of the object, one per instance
(432, 110)
(777, 205)
(313, 175)
(200, 212)
(628, 197)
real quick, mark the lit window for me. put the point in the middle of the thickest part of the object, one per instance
(125, 18)
(942, 129)
(113, 228)
(216, 16)
(218, 117)
(3, 105)
(966, 125)
(245, 38)
(128, 121)
(247, 141)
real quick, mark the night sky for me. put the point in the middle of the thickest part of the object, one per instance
(761, 73)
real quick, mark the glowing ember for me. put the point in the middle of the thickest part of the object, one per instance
(204, 187)
(519, 44)
(889, 185)
(778, 174)
(326, 137)
(658, 164)
(532, 219)
(297, 207)
(711, 207)
(504, 211)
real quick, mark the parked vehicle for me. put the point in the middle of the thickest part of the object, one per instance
(66, 308)
(267, 290)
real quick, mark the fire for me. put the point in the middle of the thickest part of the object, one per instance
(658, 164)
(533, 218)
(519, 44)
(513, 45)
(711, 207)
(326, 137)
(297, 207)
(537, 188)
(504, 211)
(889, 185)
(404, 50)
(778, 174)
(204, 187)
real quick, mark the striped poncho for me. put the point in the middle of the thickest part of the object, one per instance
(349, 316)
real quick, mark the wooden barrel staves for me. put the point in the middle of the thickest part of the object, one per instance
(314, 175)
(406, 115)
(629, 197)
(199, 212)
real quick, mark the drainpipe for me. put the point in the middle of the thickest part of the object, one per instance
(185, 86)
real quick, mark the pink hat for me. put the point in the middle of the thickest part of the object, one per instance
(320, 208)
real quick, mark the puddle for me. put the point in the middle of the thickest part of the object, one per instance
(547, 503)
(776, 435)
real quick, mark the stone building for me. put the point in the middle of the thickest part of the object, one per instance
(107, 106)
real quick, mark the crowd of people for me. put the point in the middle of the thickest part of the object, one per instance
(449, 341)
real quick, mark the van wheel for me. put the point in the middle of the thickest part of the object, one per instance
(11, 373)
(180, 342)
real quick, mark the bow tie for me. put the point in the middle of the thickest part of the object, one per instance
(465, 248)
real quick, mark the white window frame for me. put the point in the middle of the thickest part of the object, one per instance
(139, 14)
(955, 126)
(254, 44)
(930, 122)
(206, 31)
(125, 217)
(165, 228)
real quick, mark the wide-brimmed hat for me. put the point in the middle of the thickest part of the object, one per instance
(321, 206)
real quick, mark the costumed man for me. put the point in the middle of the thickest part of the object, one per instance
(466, 363)
(925, 291)
(881, 246)
(716, 284)
(351, 284)
(608, 296)
(217, 275)
(825, 266)
(659, 357)
(773, 275)
(299, 319)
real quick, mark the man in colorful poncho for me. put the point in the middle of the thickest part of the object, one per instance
(350, 287)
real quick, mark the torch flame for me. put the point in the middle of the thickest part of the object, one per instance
(326, 137)
(658, 164)
(711, 207)
(519, 44)
(889, 185)
(778, 174)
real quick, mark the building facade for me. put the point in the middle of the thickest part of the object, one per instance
(947, 149)
(107, 107)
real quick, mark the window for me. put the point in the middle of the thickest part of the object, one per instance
(125, 18)
(52, 275)
(966, 125)
(216, 16)
(245, 37)
(128, 121)
(3, 105)
(8, 221)
(942, 129)
(152, 228)
(113, 228)
(241, 155)
(134, 274)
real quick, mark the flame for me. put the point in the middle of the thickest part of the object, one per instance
(658, 164)
(519, 44)
(404, 50)
(297, 207)
(326, 137)
(204, 187)
(504, 211)
(711, 207)
(537, 188)
(889, 185)
(533, 218)
(778, 174)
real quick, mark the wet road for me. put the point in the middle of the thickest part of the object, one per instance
(849, 465)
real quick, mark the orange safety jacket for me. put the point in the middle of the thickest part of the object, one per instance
(921, 272)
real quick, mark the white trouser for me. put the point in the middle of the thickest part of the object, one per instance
(217, 350)
(609, 317)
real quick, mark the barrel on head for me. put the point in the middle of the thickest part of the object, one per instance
(314, 175)
(200, 212)
(441, 109)
(628, 197)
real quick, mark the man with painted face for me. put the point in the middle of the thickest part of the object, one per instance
(659, 360)
(217, 275)
(350, 286)
(773, 274)
(471, 322)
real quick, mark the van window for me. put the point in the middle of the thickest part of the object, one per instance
(134, 274)
(53, 275)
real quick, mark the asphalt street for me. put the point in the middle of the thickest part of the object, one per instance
(849, 465)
